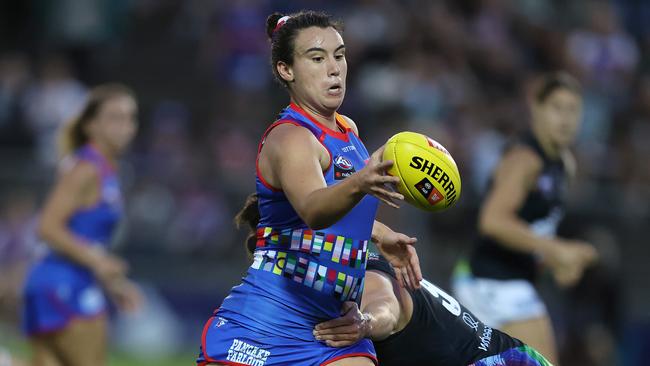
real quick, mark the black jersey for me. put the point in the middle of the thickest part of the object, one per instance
(543, 209)
(441, 332)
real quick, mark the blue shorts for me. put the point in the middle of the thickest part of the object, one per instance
(227, 342)
(519, 356)
(56, 293)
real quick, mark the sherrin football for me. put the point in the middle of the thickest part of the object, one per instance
(429, 175)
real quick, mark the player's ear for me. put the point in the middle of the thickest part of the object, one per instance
(285, 71)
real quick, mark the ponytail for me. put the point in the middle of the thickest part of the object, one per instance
(72, 136)
(249, 215)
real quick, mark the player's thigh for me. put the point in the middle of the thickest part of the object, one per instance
(537, 333)
(83, 342)
(349, 361)
(352, 361)
(43, 351)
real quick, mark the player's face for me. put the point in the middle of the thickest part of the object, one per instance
(115, 123)
(319, 68)
(559, 116)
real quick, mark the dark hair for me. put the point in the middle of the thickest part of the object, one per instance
(73, 133)
(550, 82)
(282, 38)
(249, 215)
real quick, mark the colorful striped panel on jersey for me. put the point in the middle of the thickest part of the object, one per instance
(297, 267)
(338, 249)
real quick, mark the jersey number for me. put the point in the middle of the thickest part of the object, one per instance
(447, 301)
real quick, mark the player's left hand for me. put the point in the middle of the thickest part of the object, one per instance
(125, 294)
(398, 249)
(347, 330)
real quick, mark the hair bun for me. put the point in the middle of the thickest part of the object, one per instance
(271, 23)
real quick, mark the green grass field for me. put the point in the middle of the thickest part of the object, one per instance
(117, 359)
(19, 348)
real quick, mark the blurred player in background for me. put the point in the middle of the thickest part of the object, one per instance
(318, 190)
(64, 305)
(518, 221)
(421, 327)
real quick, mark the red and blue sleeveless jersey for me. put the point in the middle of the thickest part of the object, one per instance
(95, 225)
(299, 276)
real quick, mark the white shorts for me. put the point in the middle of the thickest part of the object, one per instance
(498, 302)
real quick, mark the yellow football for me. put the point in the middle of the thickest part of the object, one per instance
(429, 175)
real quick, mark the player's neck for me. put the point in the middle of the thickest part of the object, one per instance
(105, 151)
(551, 150)
(326, 119)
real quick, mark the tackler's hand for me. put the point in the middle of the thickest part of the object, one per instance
(346, 330)
(399, 250)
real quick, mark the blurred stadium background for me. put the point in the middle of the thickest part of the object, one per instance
(455, 70)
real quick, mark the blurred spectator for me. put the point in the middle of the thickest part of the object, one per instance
(83, 22)
(241, 26)
(603, 53)
(150, 207)
(53, 98)
(606, 57)
(234, 154)
(167, 154)
(202, 224)
(630, 149)
(15, 75)
(500, 61)
(372, 27)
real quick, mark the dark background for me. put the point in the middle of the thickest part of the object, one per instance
(457, 71)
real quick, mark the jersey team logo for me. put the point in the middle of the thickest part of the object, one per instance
(343, 163)
(343, 168)
(470, 321)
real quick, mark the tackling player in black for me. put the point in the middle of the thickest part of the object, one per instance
(421, 327)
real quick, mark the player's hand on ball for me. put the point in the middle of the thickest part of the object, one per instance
(373, 180)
